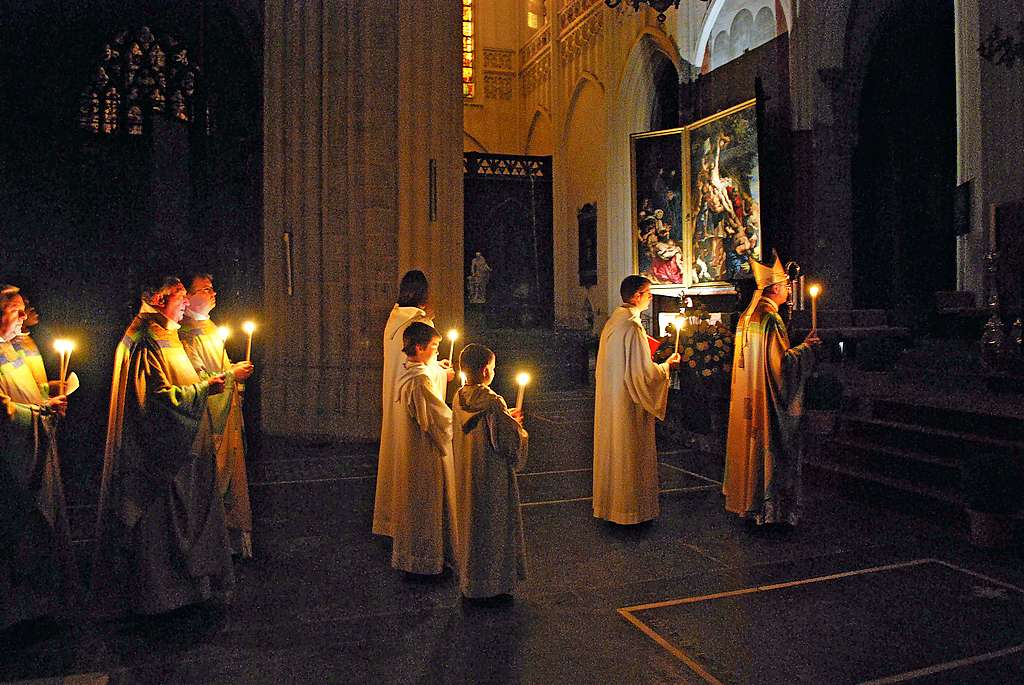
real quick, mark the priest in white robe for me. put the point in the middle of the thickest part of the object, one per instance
(422, 441)
(632, 391)
(412, 307)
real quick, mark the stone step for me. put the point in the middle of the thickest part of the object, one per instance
(824, 475)
(888, 462)
(937, 442)
(964, 420)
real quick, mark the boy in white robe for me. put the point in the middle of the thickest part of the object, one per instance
(489, 447)
(422, 441)
(631, 392)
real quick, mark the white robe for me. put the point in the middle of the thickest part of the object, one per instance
(399, 320)
(631, 391)
(422, 441)
(489, 447)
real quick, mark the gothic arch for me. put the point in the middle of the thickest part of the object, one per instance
(715, 8)
(538, 137)
(586, 77)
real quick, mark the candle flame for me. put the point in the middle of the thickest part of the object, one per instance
(814, 290)
(249, 327)
(462, 377)
(62, 345)
(522, 378)
(224, 332)
(453, 335)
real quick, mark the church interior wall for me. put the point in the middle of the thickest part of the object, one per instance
(583, 182)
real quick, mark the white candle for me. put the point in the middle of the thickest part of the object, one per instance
(63, 347)
(679, 327)
(813, 291)
(453, 335)
(249, 327)
(522, 379)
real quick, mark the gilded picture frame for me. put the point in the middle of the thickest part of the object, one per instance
(722, 198)
(657, 216)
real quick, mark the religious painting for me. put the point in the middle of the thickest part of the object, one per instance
(657, 230)
(723, 197)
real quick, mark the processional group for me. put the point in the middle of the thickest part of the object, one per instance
(174, 502)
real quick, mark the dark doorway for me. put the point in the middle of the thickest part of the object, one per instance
(507, 224)
(904, 165)
(665, 113)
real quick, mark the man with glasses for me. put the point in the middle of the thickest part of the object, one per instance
(631, 392)
(206, 350)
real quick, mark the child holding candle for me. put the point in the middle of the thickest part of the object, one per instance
(489, 447)
(421, 435)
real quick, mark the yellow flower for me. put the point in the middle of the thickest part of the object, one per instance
(717, 358)
(688, 352)
(706, 372)
(702, 346)
(718, 343)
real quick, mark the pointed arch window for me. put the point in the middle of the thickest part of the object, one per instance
(468, 46)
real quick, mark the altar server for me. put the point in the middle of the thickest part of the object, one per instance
(422, 443)
(632, 391)
(490, 446)
(413, 306)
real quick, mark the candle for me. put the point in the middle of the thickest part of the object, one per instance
(679, 326)
(522, 379)
(813, 292)
(63, 347)
(223, 332)
(248, 327)
(453, 335)
(462, 377)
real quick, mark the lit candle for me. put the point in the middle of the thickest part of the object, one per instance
(813, 291)
(679, 326)
(248, 327)
(453, 335)
(522, 379)
(63, 347)
(223, 332)
(462, 377)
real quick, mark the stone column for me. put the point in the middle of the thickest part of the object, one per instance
(354, 108)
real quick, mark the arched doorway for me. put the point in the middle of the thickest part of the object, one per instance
(904, 164)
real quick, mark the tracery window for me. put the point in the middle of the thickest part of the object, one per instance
(138, 74)
(468, 45)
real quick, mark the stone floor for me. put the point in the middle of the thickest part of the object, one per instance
(856, 594)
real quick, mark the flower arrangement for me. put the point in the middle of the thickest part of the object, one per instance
(705, 347)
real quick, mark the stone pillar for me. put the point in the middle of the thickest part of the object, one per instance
(970, 248)
(355, 106)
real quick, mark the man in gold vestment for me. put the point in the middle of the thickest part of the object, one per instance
(762, 461)
(38, 576)
(161, 539)
(206, 350)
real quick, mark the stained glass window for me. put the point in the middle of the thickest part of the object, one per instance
(468, 87)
